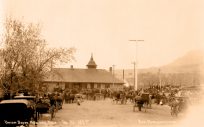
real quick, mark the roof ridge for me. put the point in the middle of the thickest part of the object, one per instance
(83, 75)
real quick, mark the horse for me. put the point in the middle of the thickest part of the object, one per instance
(146, 100)
(178, 104)
(116, 97)
(123, 98)
(130, 97)
(142, 101)
(42, 107)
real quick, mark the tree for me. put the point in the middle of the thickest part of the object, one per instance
(25, 58)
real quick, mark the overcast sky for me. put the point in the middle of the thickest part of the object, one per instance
(169, 28)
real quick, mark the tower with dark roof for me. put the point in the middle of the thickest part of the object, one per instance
(91, 63)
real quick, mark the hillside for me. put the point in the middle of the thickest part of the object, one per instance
(191, 63)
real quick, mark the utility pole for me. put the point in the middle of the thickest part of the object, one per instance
(113, 77)
(123, 74)
(159, 72)
(135, 88)
(135, 65)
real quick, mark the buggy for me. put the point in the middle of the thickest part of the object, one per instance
(15, 113)
(142, 101)
(178, 105)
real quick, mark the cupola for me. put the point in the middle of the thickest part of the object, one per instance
(91, 63)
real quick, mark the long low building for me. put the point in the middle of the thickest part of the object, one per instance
(89, 78)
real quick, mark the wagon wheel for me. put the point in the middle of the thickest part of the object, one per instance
(174, 111)
(145, 106)
(134, 107)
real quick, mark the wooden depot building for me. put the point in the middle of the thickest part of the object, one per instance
(89, 78)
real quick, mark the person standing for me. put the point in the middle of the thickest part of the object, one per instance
(52, 106)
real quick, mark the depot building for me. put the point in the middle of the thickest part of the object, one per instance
(88, 78)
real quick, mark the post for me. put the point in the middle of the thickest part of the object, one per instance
(134, 78)
(123, 74)
(113, 78)
(135, 65)
(159, 78)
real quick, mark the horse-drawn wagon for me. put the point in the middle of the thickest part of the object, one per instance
(142, 101)
(40, 105)
(178, 105)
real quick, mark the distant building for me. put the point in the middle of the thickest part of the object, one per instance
(68, 78)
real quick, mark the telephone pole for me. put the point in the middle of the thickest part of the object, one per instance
(135, 64)
(113, 77)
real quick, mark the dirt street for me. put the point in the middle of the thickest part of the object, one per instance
(105, 113)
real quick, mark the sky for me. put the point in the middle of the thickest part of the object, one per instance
(169, 28)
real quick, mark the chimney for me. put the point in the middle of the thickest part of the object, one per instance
(72, 67)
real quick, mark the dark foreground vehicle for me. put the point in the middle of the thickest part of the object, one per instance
(31, 99)
(15, 113)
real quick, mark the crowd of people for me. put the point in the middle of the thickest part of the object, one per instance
(174, 96)
(165, 95)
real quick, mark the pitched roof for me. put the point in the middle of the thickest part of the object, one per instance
(81, 76)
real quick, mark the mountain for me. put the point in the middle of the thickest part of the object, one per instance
(191, 62)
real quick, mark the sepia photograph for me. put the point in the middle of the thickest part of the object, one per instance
(101, 63)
